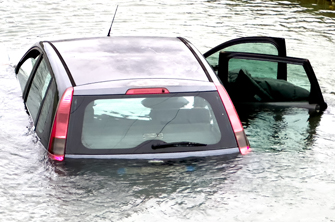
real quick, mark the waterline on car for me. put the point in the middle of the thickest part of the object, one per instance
(159, 155)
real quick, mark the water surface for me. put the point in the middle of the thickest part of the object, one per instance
(289, 176)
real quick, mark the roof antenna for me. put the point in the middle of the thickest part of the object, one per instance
(109, 32)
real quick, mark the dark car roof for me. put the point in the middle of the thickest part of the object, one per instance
(93, 60)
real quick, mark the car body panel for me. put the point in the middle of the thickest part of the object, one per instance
(119, 58)
(57, 66)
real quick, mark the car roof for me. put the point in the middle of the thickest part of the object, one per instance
(94, 60)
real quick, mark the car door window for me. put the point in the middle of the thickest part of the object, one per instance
(38, 89)
(260, 80)
(296, 75)
(44, 123)
(262, 48)
(252, 84)
(26, 68)
(260, 69)
(260, 45)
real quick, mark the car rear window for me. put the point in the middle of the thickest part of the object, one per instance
(128, 124)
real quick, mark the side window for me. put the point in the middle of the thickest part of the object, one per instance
(256, 68)
(296, 75)
(38, 89)
(259, 80)
(46, 116)
(261, 48)
(26, 68)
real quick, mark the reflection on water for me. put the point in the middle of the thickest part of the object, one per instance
(288, 176)
(286, 129)
(318, 4)
(125, 188)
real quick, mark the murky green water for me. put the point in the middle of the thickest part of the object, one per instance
(289, 176)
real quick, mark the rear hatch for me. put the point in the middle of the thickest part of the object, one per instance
(135, 122)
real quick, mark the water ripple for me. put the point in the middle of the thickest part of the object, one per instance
(287, 177)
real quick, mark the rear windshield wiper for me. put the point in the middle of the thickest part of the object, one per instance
(176, 144)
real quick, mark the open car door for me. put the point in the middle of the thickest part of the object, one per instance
(260, 45)
(256, 72)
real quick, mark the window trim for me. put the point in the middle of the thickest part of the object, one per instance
(26, 56)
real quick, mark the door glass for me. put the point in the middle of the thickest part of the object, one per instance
(256, 81)
(260, 69)
(38, 89)
(296, 75)
(45, 119)
(25, 70)
(261, 48)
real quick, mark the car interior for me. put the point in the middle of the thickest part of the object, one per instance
(262, 89)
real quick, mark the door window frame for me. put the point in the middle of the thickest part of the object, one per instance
(278, 43)
(32, 53)
(315, 91)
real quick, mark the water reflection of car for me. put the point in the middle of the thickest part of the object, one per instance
(127, 98)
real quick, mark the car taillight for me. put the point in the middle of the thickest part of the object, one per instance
(147, 91)
(242, 141)
(60, 126)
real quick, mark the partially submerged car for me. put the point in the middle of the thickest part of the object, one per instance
(155, 97)
(128, 98)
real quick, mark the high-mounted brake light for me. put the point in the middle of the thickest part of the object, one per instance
(242, 141)
(147, 91)
(60, 126)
